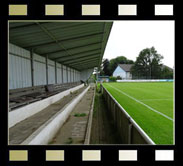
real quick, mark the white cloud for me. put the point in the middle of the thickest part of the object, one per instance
(128, 38)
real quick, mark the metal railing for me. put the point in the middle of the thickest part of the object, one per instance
(130, 132)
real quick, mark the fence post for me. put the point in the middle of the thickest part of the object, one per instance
(114, 112)
(129, 132)
(108, 102)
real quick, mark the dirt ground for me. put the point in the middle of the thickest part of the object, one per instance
(74, 129)
(103, 130)
(23, 129)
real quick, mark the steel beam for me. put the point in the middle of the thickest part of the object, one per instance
(72, 48)
(52, 37)
(85, 67)
(92, 62)
(79, 68)
(75, 54)
(21, 26)
(85, 61)
(80, 58)
(65, 40)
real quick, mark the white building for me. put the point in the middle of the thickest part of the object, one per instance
(123, 70)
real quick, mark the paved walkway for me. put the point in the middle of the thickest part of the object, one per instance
(74, 129)
(22, 130)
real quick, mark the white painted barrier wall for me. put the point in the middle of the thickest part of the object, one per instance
(148, 80)
(47, 131)
(22, 113)
(129, 131)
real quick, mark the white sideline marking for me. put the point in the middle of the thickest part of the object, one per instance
(153, 99)
(143, 103)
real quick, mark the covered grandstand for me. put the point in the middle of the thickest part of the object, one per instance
(44, 53)
(47, 62)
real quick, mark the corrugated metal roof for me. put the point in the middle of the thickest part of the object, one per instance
(79, 45)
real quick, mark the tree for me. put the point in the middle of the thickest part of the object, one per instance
(110, 66)
(166, 73)
(148, 64)
(112, 79)
(105, 66)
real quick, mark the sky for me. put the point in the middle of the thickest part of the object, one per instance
(128, 38)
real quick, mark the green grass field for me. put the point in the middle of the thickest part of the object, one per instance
(150, 104)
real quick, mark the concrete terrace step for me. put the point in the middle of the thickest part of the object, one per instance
(22, 130)
(74, 129)
(24, 112)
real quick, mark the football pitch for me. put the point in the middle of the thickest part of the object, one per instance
(150, 104)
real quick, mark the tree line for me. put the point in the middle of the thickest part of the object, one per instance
(148, 65)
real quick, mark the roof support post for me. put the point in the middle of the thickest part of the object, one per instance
(46, 69)
(73, 75)
(32, 66)
(55, 72)
(70, 75)
(67, 74)
(62, 71)
(77, 79)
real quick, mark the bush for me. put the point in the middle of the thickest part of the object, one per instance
(79, 115)
(118, 78)
(98, 87)
(112, 79)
